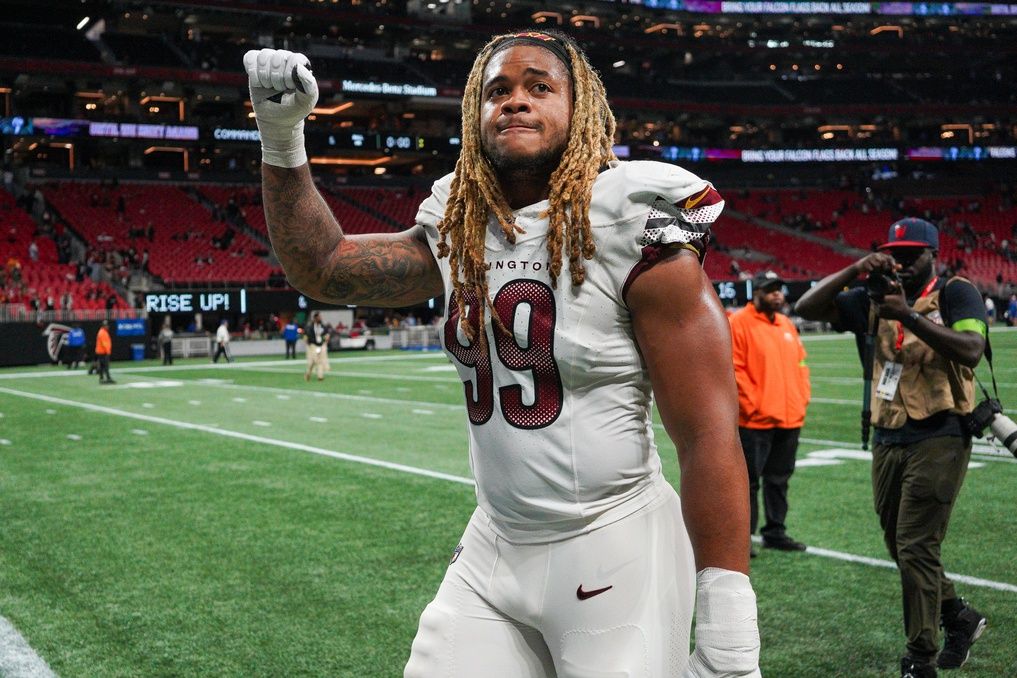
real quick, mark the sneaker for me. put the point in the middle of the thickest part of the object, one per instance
(912, 668)
(961, 633)
(783, 544)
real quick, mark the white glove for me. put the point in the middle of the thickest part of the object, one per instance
(727, 639)
(283, 92)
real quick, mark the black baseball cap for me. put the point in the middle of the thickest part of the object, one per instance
(912, 232)
(765, 280)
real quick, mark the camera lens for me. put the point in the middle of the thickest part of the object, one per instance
(1004, 430)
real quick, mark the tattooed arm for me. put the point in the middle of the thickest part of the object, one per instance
(379, 269)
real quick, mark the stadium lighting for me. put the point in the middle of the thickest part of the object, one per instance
(368, 162)
(179, 101)
(322, 110)
(880, 29)
(663, 28)
(544, 17)
(832, 130)
(70, 153)
(950, 130)
(619, 64)
(172, 149)
(581, 19)
(82, 23)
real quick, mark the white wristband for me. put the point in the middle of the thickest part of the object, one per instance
(727, 637)
(282, 147)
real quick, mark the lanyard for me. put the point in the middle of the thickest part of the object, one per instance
(900, 325)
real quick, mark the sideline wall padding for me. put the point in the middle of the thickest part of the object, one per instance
(37, 344)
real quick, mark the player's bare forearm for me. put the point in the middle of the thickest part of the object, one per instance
(386, 269)
(303, 231)
(685, 341)
(390, 269)
(715, 490)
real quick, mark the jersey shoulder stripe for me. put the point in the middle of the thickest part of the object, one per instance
(655, 190)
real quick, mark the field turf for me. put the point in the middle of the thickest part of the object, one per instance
(235, 520)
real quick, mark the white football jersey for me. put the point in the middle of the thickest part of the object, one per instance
(561, 437)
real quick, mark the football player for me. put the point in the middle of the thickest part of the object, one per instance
(575, 297)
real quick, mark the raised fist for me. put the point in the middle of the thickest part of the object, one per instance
(283, 92)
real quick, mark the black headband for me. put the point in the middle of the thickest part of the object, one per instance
(552, 44)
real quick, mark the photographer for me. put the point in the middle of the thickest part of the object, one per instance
(927, 336)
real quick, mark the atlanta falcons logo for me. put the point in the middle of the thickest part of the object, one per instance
(56, 337)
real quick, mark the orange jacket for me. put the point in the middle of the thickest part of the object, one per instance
(103, 344)
(769, 362)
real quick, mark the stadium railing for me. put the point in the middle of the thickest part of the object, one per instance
(10, 313)
(420, 338)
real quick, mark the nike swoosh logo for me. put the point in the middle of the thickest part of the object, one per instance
(583, 595)
(692, 202)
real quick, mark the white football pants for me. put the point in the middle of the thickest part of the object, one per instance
(613, 603)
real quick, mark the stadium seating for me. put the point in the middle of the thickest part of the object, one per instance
(399, 205)
(44, 277)
(182, 250)
(990, 221)
(247, 200)
(792, 257)
(355, 217)
(17, 230)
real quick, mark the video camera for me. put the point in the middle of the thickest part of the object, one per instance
(989, 413)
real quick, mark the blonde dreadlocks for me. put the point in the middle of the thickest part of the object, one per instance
(475, 192)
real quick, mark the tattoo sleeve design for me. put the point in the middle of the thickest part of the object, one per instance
(380, 269)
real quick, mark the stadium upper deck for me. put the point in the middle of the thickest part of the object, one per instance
(154, 91)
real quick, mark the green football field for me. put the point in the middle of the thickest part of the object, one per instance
(235, 520)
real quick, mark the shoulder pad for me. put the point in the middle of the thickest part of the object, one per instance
(682, 206)
(668, 224)
(432, 209)
(628, 188)
(647, 180)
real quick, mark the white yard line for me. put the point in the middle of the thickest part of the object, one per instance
(125, 367)
(890, 565)
(241, 436)
(17, 658)
(338, 396)
(413, 470)
(366, 375)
